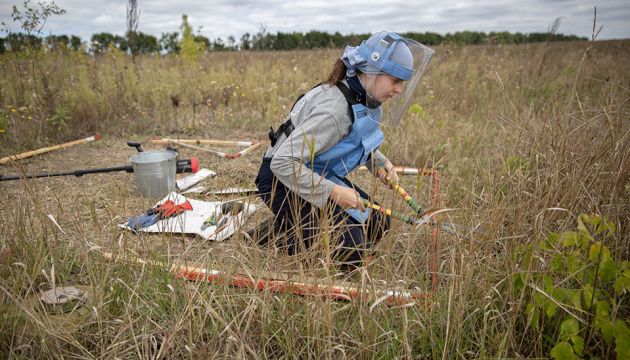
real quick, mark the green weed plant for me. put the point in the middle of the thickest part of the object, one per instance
(574, 290)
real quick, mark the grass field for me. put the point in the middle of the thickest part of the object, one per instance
(524, 138)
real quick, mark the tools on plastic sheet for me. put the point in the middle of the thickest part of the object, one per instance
(226, 211)
(164, 211)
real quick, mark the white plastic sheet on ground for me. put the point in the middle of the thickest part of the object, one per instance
(190, 221)
(186, 184)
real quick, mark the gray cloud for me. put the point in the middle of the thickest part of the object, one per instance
(221, 18)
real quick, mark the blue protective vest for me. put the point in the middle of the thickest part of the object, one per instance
(353, 151)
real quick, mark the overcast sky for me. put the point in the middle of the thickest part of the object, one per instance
(221, 18)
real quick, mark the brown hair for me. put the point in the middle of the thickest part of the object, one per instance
(337, 74)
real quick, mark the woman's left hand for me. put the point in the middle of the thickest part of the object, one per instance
(388, 173)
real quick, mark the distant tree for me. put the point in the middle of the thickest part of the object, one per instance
(231, 43)
(285, 41)
(169, 42)
(133, 18)
(500, 38)
(32, 20)
(356, 39)
(203, 40)
(75, 42)
(102, 41)
(218, 45)
(537, 37)
(258, 40)
(190, 48)
(146, 44)
(338, 40)
(520, 38)
(19, 41)
(245, 41)
(57, 41)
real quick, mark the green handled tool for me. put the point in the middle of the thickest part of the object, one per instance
(228, 208)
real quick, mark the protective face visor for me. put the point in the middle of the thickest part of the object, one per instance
(409, 66)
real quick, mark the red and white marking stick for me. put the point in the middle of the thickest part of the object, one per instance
(217, 153)
(206, 142)
(348, 293)
(243, 152)
(47, 149)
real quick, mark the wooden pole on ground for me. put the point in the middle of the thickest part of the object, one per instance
(47, 149)
(206, 142)
(349, 293)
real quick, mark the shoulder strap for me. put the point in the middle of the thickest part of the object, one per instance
(287, 127)
(347, 93)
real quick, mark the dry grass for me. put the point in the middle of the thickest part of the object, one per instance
(518, 153)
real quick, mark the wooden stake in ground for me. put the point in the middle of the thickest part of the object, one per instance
(47, 149)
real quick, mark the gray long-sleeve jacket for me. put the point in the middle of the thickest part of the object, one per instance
(322, 118)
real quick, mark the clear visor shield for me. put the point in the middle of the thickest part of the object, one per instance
(399, 103)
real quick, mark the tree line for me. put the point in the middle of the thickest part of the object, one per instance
(171, 42)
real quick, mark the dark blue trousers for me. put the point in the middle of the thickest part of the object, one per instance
(298, 213)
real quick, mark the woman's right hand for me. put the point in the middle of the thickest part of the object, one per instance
(347, 198)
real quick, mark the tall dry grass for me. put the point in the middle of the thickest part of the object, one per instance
(519, 152)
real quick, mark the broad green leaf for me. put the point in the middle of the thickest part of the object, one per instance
(569, 238)
(586, 242)
(595, 220)
(581, 223)
(610, 226)
(602, 309)
(539, 298)
(584, 232)
(548, 283)
(576, 298)
(587, 294)
(589, 278)
(549, 241)
(623, 347)
(601, 314)
(623, 328)
(557, 263)
(622, 283)
(551, 308)
(574, 261)
(563, 351)
(568, 328)
(533, 314)
(578, 344)
(607, 269)
(625, 265)
(608, 331)
(593, 253)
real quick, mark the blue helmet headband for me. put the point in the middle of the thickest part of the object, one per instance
(389, 53)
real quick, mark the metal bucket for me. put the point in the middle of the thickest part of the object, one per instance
(155, 172)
